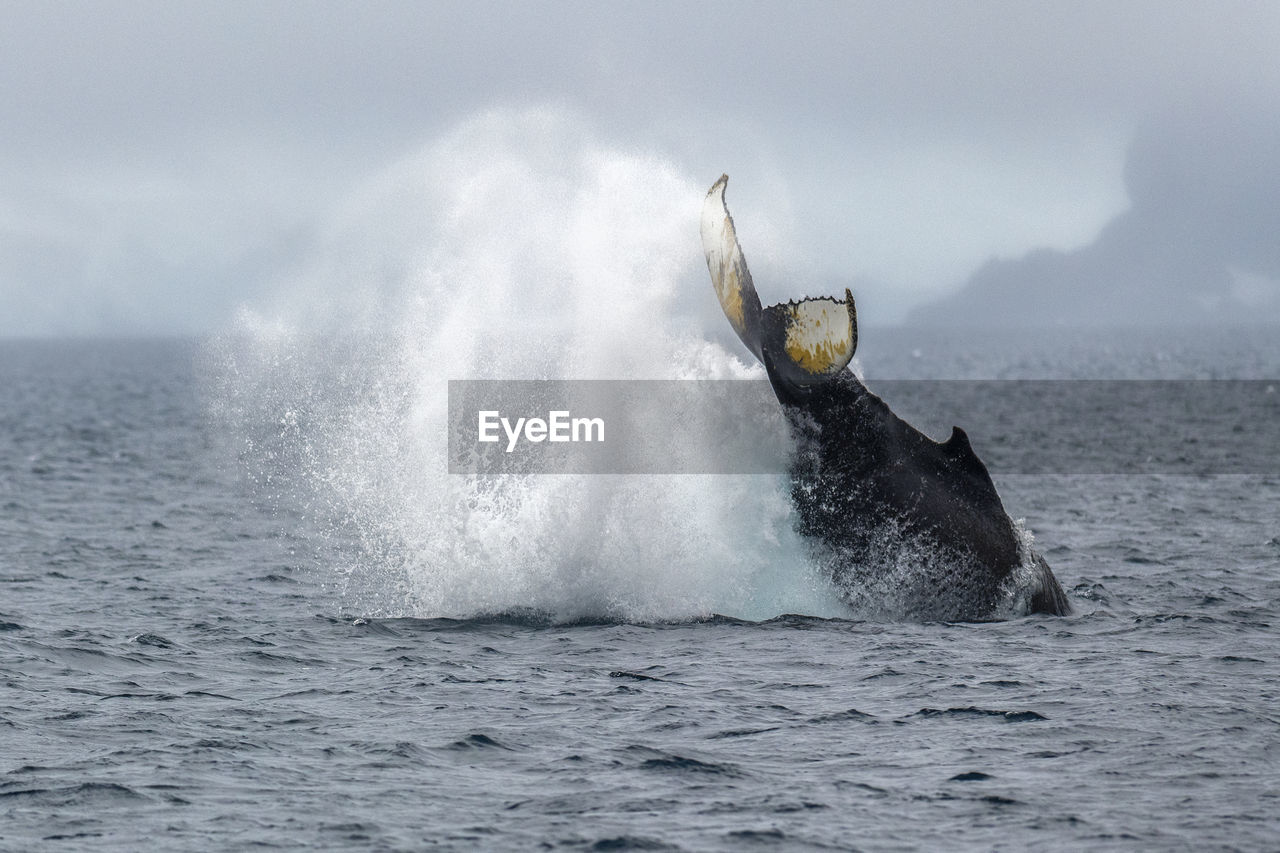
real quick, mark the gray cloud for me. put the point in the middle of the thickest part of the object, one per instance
(161, 162)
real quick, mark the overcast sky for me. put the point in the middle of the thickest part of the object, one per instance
(161, 162)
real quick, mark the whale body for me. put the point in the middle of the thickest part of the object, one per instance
(889, 512)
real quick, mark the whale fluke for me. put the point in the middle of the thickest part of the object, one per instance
(808, 341)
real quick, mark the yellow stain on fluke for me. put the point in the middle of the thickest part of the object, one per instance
(819, 335)
(730, 293)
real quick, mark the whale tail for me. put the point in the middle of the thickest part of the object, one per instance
(801, 343)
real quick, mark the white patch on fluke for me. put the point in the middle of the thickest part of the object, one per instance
(820, 336)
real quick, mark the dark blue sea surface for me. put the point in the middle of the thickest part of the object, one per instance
(197, 654)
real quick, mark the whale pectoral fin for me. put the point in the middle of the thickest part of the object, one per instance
(729, 274)
(1047, 595)
(810, 341)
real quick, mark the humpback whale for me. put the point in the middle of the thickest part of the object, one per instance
(886, 509)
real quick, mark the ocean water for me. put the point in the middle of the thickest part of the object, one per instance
(243, 604)
(240, 608)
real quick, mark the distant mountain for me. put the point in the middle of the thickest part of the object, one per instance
(1200, 242)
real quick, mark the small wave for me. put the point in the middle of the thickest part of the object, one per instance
(844, 716)
(1091, 591)
(1008, 716)
(152, 640)
(631, 842)
(74, 795)
(997, 800)
(224, 745)
(761, 836)
(686, 765)
(478, 740)
(402, 750)
(154, 697)
(736, 733)
(617, 673)
(673, 763)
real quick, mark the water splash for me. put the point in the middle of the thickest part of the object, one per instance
(517, 246)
